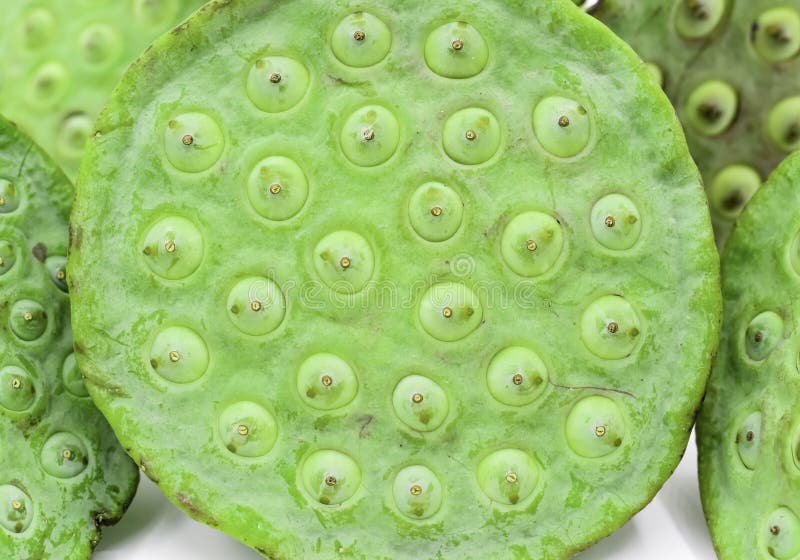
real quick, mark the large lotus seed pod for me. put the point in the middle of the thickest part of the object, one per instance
(732, 71)
(393, 282)
(60, 59)
(748, 433)
(63, 474)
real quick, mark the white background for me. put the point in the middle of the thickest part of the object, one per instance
(671, 527)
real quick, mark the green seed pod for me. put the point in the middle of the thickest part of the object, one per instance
(748, 430)
(394, 308)
(732, 70)
(63, 474)
(60, 60)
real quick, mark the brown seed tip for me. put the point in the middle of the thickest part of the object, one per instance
(436, 211)
(256, 305)
(531, 245)
(169, 246)
(749, 436)
(187, 139)
(16, 504)
(600, 431)
(345, 262)
(457, 44)
(243, 430)
(368, 134)
(327, 380)
(417, 398)
(512, 478)
(775, 530)
(610, 221)
(174, 356)
(67, 454)
(447, 312)
(330, 480)
(563, 121)
(517, 379)
(415, 489)
(16, 383)
(359, 35)
(275, 188)
(759, 336)
(28, 316)
(470, 135)
(612, 327)
(275, 78)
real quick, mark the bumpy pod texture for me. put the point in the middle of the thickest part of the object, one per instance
(731, 69)
(748, 430)
(63, 474)
(396, 283)
(60, 59)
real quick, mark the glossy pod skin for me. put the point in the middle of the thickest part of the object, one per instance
(747, 431)
(732, 70)
(60, 59)
(63, 474)
(392, 283)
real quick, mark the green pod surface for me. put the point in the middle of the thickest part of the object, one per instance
(731, 69)
(63, 475)
(60, 59)
(342, 281)
(748, 433)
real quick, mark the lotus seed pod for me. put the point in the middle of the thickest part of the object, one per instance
(407, 296)
(732, 70)
(63, 474)
(748, 431)
(60, 60)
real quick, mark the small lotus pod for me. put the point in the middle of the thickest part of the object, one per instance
(396, 278)
(63, 474)
(60, 59)
(732, 70)
(748, 431)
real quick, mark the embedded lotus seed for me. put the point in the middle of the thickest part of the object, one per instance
(173, 248)
(57, 267)
(193, 142)
(696, 19)
(71, 377)
(532, 243)
(17, 389)
(777, 34)
(712, 107)
(361, 40)
(562, 126)
(763, 334)
(37, 28)
(748, 439)
(341, 248)
(27, 319)
(782, 535)
(610, 328)
(471, 136)
(179, 355)
(370, 136)
(16, 509)
(48, 84)
(330, 477)
(73, 134)
(64, 455)
(417, 491)
(516, 376)
(326, 382)
(256, 305)
(435, 212)
(595, 427)
(420, 403)
(100, 44)
(783, 124)
(277, 188)
(508, 476)
(247, 429)
(9, 196)
(456, 50)
(450, 311)
(616, 222)
(276, 84)
(8, 255)
(731, 188)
